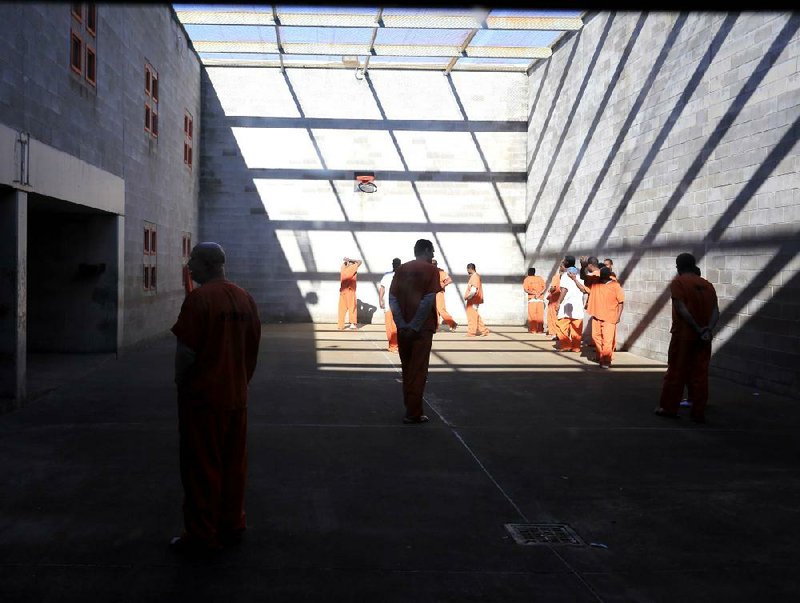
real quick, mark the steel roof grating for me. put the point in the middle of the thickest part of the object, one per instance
(468, 38)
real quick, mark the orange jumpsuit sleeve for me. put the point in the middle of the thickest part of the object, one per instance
(190, 327)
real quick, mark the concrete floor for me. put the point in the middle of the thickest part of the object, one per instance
(346, 503)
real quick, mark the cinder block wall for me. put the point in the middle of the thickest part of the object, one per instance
(654, 134)
(279, 155)
(104, 126)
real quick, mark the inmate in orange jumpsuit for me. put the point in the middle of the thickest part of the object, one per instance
(534, 286)
(552, 297)
(347, 294)
(388, 319)
(412, 281)
(605, 300)
(475, 324)
(441, 309)
(219, 322)
(688, 356)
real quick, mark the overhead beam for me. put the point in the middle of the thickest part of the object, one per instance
(387, 50)
(336, 63)
(378, 19)
(278, 45)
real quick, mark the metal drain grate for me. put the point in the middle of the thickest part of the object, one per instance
(543, 533)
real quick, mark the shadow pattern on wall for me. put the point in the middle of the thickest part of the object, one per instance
(745, 339)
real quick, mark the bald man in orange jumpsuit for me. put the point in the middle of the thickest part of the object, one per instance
(606, 300)
(553, 295)
(534, 286)
(695, 312)
(474, 298)
(412, 297)
(218, 334)
(441, 309)
(347, 292)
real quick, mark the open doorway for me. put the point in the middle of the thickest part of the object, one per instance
(72, 291)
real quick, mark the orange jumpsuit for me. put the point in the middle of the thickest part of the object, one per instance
(347, 294)
(689, 356)
(475, 324)
(534, 286)
(391, 329)
(552, 317)
(219, 322)
(441, 310)
(603, 305)
(388, 319)
(412, 281)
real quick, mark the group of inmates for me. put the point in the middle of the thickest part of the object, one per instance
(218, 333)
(473, 298)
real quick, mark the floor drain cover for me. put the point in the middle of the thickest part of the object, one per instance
(543, 533)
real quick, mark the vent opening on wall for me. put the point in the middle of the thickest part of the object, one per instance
(365, 182)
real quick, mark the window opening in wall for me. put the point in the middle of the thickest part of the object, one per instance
(150, 256)
(91, 18)
(151, 100)
(83, 42)
(187, 139)
(76, 54)
(91, 66)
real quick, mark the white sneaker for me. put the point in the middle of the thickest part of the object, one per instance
(352, 326)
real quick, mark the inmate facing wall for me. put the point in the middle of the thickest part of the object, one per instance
(654, 134)
(280, 152)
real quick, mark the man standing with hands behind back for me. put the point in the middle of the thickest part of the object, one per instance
(695, 312)
(218, 333)
(411, 298)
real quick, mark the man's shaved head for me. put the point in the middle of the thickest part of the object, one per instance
(209, 253)
(207, 262)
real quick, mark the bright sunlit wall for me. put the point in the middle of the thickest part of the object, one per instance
(279, 157)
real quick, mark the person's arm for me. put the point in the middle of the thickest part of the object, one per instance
(562, 294)
(708, 332)
(423, 310)
(684, 313)
(447, 280)
(471, 291)
(381, 290)
(184, 359)
(619, 312)
(397, 313)
(577, 282)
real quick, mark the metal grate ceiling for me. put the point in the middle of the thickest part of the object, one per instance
(374, 38)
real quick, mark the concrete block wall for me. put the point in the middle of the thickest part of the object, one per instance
(279, 156)
(654, 134)
(104, 127)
